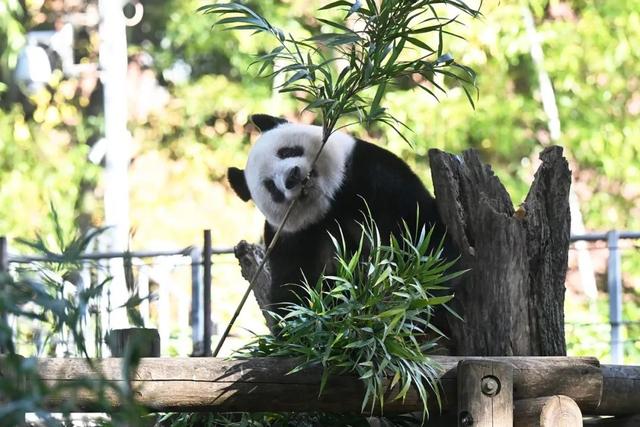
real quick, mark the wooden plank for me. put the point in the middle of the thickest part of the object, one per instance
(485, 393)
(620, 390)
(261, 384)
(549, 411)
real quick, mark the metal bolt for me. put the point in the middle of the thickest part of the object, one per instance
(466, 419)
(490, 385)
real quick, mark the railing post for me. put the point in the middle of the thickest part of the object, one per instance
(4, 267)
(197, 320)
(206, 258)
(614, 285)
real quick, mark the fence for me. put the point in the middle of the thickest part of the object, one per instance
(614, 286)
(199, 259)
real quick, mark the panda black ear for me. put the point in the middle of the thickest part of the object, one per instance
(265, 122)
(239, 183)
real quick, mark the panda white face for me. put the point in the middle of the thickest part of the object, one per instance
(278, 163)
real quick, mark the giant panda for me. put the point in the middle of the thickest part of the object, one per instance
(348, 172)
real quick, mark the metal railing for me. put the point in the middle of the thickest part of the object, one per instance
(614, 284)
(199, 259)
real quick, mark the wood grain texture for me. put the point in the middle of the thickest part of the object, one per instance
(512, 299)
(262, 384)
(480, 405)
(549, 411)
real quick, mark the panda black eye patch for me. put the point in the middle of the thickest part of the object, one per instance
(276, 194)
(286, 152)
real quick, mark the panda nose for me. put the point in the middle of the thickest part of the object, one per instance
(293, 178)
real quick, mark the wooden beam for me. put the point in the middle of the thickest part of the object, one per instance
(629, 421)
(549, 411)
(485, 393)
(620, 390)
(262, 384)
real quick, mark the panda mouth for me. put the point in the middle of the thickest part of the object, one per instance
(307, 185)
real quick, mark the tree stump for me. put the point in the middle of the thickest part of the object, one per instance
(250, 256)
(512, 299)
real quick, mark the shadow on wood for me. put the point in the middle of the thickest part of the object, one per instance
(263, 384)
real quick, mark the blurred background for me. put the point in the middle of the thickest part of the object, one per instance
(127, 114)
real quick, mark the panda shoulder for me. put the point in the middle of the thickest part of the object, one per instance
(365, 152)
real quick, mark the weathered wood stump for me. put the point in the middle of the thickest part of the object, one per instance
(250, 256)
(513, 296)
(512, 299)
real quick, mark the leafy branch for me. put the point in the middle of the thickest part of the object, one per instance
(374, 46)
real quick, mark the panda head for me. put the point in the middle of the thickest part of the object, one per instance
(278, 163)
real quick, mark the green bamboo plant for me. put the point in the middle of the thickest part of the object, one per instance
(372, 318)
(377, 43)
(42, 297)
(345, 73)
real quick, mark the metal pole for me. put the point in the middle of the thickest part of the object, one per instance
(197, 320)
(614, 284)
(4, 268)
(206, 257)
(4, 255)
(113, 74)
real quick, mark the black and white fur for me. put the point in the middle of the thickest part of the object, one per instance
(347, 171)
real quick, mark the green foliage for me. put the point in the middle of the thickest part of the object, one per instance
(372, 319)
(51, 312)
(330, 71)
(11, 38)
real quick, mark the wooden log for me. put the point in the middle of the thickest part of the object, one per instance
(549, 411)
(485, 393)
(262, 384)
(620, 390)
(628, 421)
(517, 258)
(145, 340)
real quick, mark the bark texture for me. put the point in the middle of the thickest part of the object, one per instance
(267, 384)
(513, 296)
(250, 256)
